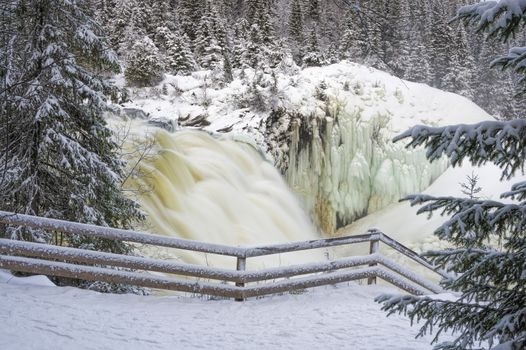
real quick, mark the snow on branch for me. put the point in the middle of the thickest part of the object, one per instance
(485, 217)
(516, 60)
(501, 142)
(438, 316)
(518, 191)
(499, 18)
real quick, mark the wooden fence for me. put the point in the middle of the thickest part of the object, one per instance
(238, 284)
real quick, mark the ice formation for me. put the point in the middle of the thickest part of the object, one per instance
(345, 167)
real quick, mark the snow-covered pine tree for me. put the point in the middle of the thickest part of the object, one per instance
(378, 39)
(57, 158)
(441, 36)
(179, 56)
(189, 16)
(161, 39)
(266, 26)
(418, 62)
(352, 43)
(240, 44)
(121, 29)
(417, 67)
(254, 55)
(228, 74)
(314, 10)
(398, 61)
(102, 10)
(207, 46)
(458, 78)
(158, 12)
(144, 66)
(296, 30)
(252, 10)
(218, 27)
(313, 57)
(488, 238)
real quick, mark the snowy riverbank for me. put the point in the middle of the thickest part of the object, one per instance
(37, 316)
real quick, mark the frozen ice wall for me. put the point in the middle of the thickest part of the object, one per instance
(345, 167)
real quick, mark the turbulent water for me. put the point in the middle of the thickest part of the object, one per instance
(217, 190)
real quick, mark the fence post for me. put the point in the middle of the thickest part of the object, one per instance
(373, 249)
(241, 266)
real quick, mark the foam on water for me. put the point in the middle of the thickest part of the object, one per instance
(217, 190)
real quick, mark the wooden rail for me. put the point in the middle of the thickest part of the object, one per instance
(238, 284)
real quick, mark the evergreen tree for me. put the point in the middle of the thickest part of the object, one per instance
(352, 44)
(418, 67)
(314, 10)
(405, 38)
(162, 39)
(121, 30)
(265, 24)
(144, 66)
(240, 44)
(459, 78)
(254, 53)
(208, 49)
(179, 56)
(57, 158)
(253, 8)
(228, 75)
(488, 79)
(296, 33)
(398, 61)
(313, 56)
(487, 238)
(217, 26)
(189, 15)
(158, 12)
(441, 35)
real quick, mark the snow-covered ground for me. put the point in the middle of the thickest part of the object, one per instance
(354, 86)
(36, 316)
(400, 221)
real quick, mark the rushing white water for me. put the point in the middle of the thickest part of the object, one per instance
(217, 190)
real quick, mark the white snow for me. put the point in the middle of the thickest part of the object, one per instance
(7, 278)
(343, 317)
(400, 221)
(374, 91)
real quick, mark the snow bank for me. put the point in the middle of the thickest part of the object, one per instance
(400, 221)
(344, 317)
(6, 277)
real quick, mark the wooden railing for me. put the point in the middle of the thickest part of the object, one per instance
(238, 284)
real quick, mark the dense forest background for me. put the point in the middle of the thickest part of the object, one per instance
(412, 39)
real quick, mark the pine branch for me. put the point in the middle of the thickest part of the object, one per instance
(500, 142)
(500, 18)
(485, 217)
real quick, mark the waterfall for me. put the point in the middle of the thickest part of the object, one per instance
(217, 190)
